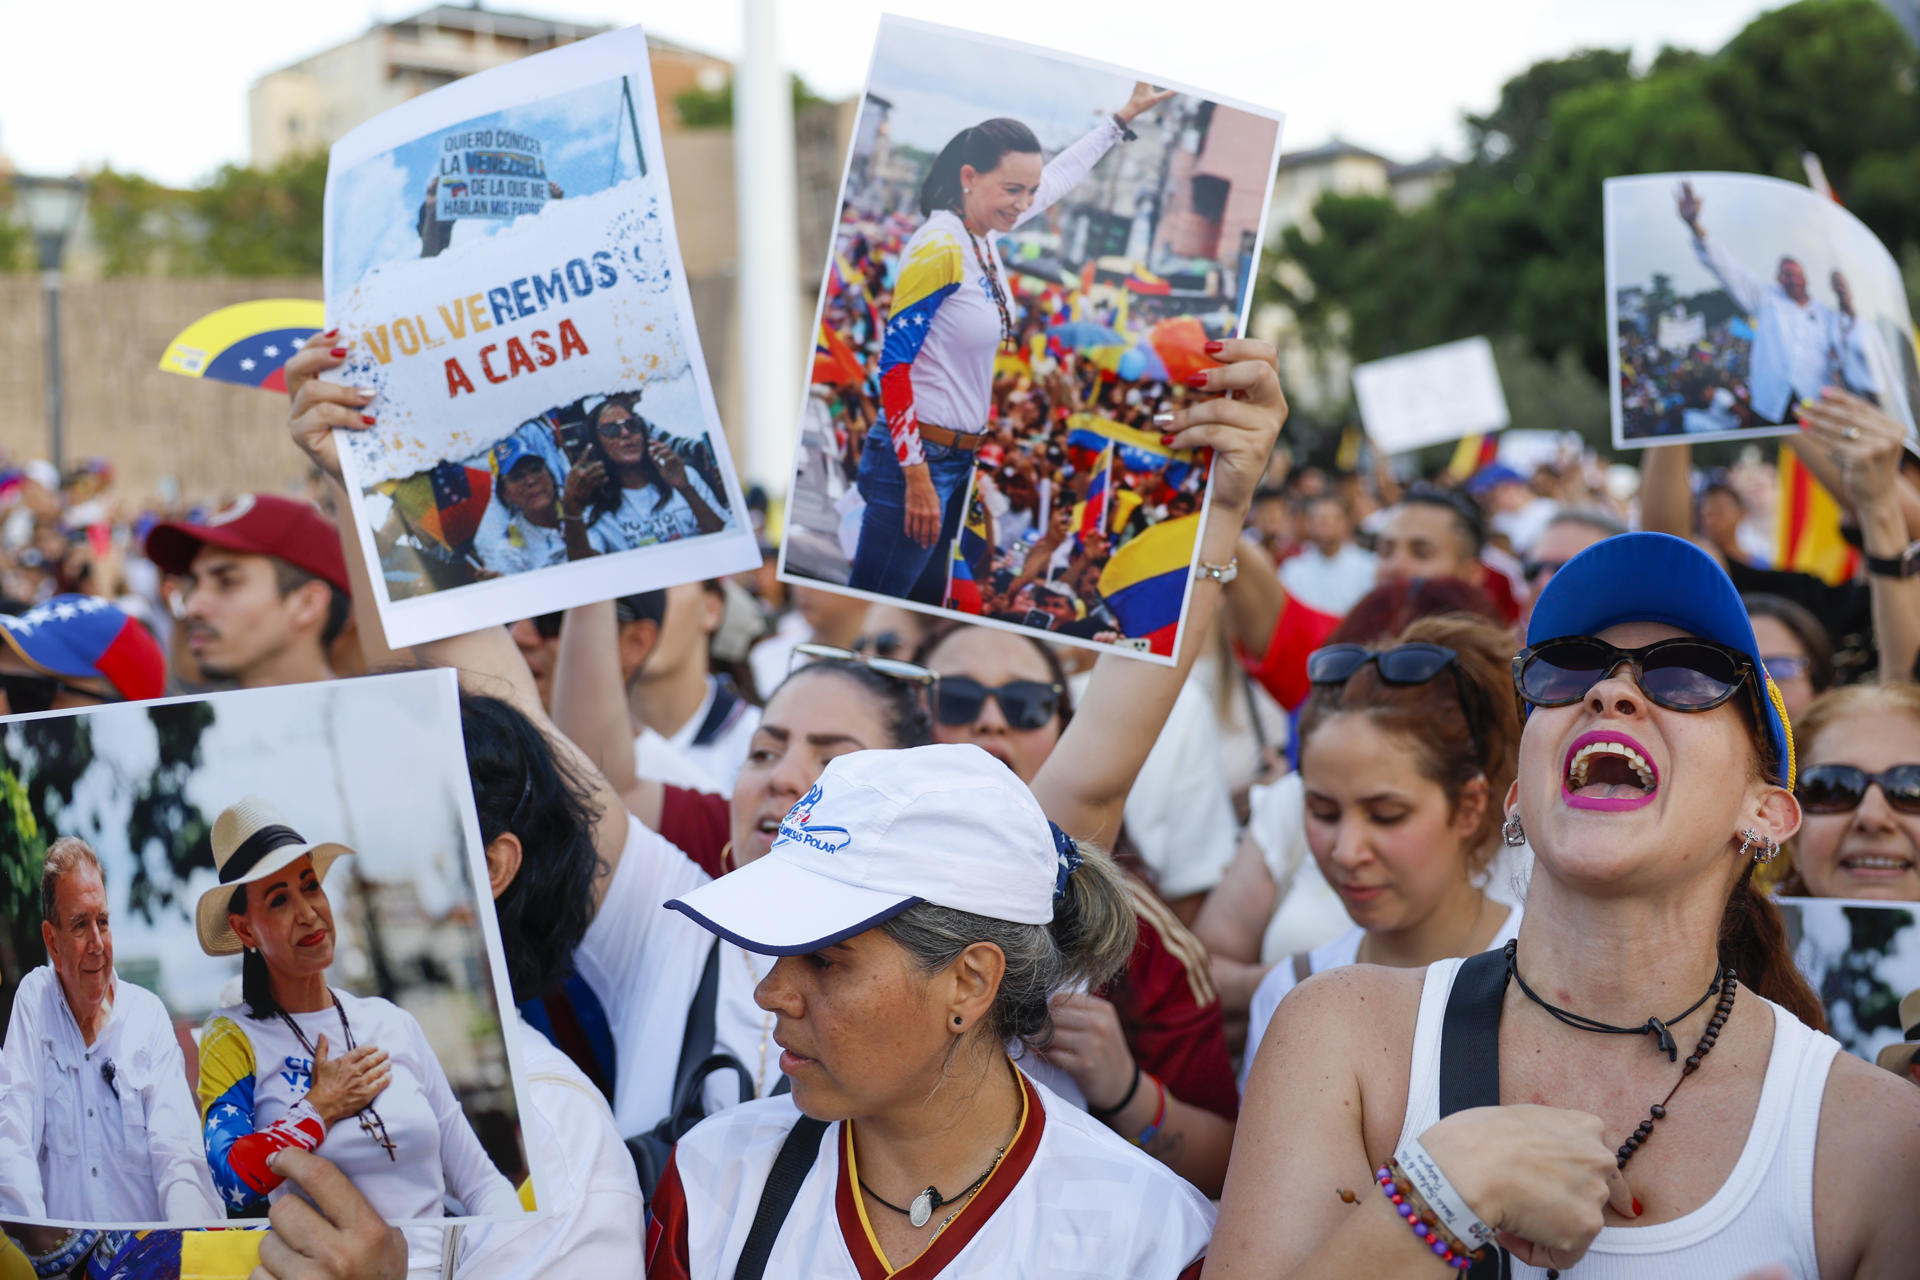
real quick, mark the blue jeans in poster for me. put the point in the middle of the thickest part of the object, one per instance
(886, 561)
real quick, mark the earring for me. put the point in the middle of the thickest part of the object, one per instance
(1762, 849)
(966, 191)
(1512, 832)
(958, 1021)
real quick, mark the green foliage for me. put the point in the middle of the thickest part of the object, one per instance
(23, 850)
(136, 224)
(699, 109)
(167, 832)
(1514, 245)
(16, 244)
(263, 223)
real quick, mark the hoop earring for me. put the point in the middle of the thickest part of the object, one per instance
(1512, 833)
(1762, 849)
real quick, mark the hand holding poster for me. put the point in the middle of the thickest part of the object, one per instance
(1732, 298)
(280, 940)
(1031, 256)
(1425, 397)
(501, 263)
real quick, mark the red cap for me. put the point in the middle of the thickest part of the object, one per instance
(262, 524)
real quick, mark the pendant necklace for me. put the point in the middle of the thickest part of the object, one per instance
(921, 1211)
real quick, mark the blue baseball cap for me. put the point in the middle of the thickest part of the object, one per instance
(510, 453)
(1494, 473)
(1656, 577)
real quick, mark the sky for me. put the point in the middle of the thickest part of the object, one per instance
(161, 88)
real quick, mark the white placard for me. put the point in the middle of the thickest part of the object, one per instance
(501, 261)
(1426, 397)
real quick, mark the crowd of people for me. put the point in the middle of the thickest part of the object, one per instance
(848, 940)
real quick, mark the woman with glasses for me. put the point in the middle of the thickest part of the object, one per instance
(1149, 1053)
(302, 1065)
(1408, 1119)
(1794, 647)
(1859, 790)
(634, 487)
(1405, 753)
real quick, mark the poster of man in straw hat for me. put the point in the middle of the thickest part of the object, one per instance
(262, 929)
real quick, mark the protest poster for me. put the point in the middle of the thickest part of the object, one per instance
(1862, 959)
(502, 264)
(330, 830)
(1429, 396)
(993, 339)
(1731, 298)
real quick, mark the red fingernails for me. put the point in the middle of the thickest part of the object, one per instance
(330, 333)
(1215, 348)
(367, 418)
(1196, 380)
(1166, 439)
(337, 352)
(1636, 1206)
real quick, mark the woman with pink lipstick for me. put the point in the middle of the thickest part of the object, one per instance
(1860, 791)
(1632, 1084)
(1405, 751)
(300, 1064)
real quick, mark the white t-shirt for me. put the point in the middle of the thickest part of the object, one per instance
(1343, 950)
(643, 518)
(1069, 1199)
(254, 1071)
(725, 748)
(1179, 814)
(509, 543)
(644, 963)
(1332, 584)
(595, 1223)
(1308, 912)
(659, 760)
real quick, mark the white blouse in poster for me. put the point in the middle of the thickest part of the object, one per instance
(502, 265)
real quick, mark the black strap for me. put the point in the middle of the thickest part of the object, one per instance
(797, 1155)
(696, 1043)
(1302, 967)
(727, 706)
(1470, 1059)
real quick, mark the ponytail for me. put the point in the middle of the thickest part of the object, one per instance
(1753, 943)
(980, 146)
(1094, 925)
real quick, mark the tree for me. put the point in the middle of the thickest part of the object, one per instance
(23, 851)
(713, 109)
(1515, 245)
(268, 222)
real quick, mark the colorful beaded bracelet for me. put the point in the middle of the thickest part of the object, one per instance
(1442, 1248)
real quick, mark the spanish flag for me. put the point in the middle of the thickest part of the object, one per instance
(1145, 583)
(1807, 526)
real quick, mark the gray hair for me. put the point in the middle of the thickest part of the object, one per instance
(63, 856)
(1091, 936)
(1604, 523)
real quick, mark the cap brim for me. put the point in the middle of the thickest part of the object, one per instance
(217, 937)
(1898, 1057)
(775, 907)
(172, 547)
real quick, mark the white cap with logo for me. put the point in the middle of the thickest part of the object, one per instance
(882, 831)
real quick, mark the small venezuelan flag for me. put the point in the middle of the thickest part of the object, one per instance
(247, 344)
(1145, 583)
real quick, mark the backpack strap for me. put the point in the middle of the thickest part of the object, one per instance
(1470, 1059)
(797, 1155)
(696, 1043)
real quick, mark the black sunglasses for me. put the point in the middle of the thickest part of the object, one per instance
(633, 426)
(1532, 569)
(1406, 664)
(1026, 704)
(884, 644)
(1839, 788)
(28, 693)
(1682, 674)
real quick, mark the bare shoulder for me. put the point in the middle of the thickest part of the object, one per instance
(1364, 1001)
(1867, 1157)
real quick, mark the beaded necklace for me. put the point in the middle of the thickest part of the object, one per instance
(993, 286)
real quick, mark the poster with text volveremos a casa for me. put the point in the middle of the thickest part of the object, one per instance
(1031, 255)
(502, 266)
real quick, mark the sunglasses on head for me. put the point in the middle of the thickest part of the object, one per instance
(1025, 704)
(1682, 674)
(1839, 788)
(1406, 664)
(28, 692)
(912, 673)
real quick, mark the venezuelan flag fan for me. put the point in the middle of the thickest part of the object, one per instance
(921, 911)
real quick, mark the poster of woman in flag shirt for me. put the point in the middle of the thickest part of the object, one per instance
(1031, 255)
(502, 266)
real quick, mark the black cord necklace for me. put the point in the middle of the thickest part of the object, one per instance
(929, 1200)
(1654, 1027)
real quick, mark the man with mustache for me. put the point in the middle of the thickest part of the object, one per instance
(96, 1122)
(267, 591)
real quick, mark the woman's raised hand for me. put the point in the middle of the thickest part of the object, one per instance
(672, 468)
(1864, 442)
(1239, 418)
(1539, 1175)
(318, 406)
(1145, 98)
(347, 1086)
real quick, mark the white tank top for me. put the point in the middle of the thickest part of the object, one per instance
(1762, 1213)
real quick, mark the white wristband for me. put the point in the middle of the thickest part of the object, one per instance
(1424, 1176)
